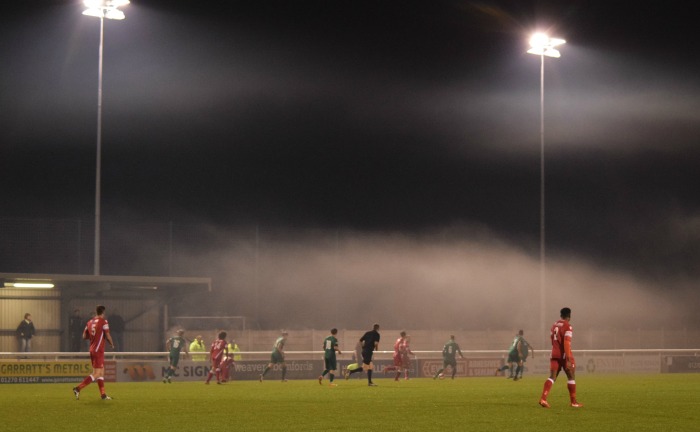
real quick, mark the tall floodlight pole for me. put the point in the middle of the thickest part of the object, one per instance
(543, 46)
(101, 9)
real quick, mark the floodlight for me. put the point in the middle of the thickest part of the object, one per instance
(114, 14)
(39, 285)
(543, 45)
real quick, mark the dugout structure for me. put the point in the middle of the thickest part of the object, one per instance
(142, 301)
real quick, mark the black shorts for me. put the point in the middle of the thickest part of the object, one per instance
(367, 357)
(449, 362)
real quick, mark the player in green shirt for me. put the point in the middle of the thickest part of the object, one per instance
(449, 357)
(174, 345)
(330, 347)
(277, 357)
(517, 354)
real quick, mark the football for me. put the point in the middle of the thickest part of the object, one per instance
(441, 376)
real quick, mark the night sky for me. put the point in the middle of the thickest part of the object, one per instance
(381, 118)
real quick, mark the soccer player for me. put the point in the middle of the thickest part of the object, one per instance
(397, 355)
(217, 352)
(402, 361)
(330, 347)
(174, 345)
(517, 354)
(357, 361)
(561, 358)
(370, 343)
(449, 357)
(405, 359)
(228, 361)
(277, 357)
(97, 332)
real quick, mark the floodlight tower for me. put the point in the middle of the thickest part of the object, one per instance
(543, 46)
(101, 9)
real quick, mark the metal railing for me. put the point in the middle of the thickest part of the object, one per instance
(112, 355)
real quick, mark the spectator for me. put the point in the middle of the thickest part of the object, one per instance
(235, 349)
(116, 327)
(25, 331)
(198, 346)
(75, 330)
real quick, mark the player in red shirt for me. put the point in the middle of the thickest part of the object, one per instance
(401, 360)
(561, 358)
(97, 332)
(217, 353)
(405, 359)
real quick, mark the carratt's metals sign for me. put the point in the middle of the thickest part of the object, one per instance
(43, 372)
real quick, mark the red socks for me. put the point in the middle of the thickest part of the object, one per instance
(101, 385)
(547, 387)
(571, 385)
(86, 382)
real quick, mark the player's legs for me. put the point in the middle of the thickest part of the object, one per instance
(395, 366)
(98, 371)
(352, 368)
(273, 361)
(518, 371)
(214, 370)
(332, 366)
(453, 365)
(328, 367)
(284, 371)
(554, 367)
(101, 386)
(406, 366)
(369, 368)
(171, 368)
(368, 365)
(571, 386)
(225, 368)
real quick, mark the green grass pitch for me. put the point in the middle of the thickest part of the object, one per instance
(656, 403)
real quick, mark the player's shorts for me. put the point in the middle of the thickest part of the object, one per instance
(97, 359)
(367, 357)
(397, 360)
(276, 357)
(449, 362)
(405, 361)
(174, 359)
(555, 365)
(513, 357)
(330, 363)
